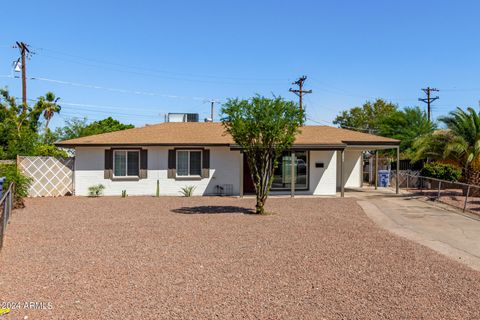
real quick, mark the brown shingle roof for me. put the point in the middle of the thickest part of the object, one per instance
(213, 133)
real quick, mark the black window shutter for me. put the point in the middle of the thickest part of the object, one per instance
(108, 169)
(143, 164)
(206, 164)
(172, 164)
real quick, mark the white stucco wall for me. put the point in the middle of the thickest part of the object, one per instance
(323, 181)
(89, 170)
(224, 169)
(352, 169)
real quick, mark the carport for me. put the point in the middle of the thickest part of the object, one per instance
(369, 146)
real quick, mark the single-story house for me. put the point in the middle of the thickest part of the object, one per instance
(325, 160)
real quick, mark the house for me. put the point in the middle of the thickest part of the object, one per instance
(202, 154)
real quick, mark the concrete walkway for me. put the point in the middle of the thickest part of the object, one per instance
(439, 227)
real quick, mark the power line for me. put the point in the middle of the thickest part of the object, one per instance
(323, 122)
(157, 70)
(159, 73)
(300, 92)
(429, 99)
(461, 90)
(342, 92)
(85, 107)
(136, 92)
(323, 107)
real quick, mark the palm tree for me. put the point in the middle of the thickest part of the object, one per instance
(406, 125)
(463, 146)
(431, 146)
(49, 106)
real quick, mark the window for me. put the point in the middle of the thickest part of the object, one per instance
(282, 174)
(189, 163)
(126, 163)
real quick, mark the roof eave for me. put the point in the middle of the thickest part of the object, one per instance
(116, 145)
(305, 147)
(372, 143)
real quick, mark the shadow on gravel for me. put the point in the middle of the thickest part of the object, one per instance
(213, 209)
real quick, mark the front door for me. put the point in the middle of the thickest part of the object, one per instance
(248, 186)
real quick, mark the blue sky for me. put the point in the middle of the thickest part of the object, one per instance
(169, 56)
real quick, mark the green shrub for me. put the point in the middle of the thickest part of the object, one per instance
(441, 171)
(96, 190)
(22, 182)
(187, 191)
(124, 193)
(47, 150)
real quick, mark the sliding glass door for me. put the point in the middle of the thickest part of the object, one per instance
(282, 175)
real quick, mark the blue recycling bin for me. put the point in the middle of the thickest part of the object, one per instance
(2, 181)
(383, 178)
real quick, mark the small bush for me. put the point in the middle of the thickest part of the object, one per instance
(46, 150)
(96, 190)
(22, 182)
(187, 191)
(441, 171)
(124, 193)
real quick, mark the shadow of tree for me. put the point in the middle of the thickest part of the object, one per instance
(213, 210)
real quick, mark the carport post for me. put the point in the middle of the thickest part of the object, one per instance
(292, 174)
(397, 171)
(342, 183)
(376, 170)
(241, 173)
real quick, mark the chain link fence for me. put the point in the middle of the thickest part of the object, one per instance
(460, 195)
(6, 206)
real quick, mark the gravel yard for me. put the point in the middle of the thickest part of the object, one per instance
(204, 258)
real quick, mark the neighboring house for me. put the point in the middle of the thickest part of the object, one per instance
(203, 155)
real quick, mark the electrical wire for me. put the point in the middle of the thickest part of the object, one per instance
(340, 91)
(85, 107)
(322, 122)
(136, 92)
(343, 127)
(158, 74)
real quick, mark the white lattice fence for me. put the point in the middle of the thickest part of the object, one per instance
(51, 176)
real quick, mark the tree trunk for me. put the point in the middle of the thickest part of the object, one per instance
(259, 207)
(472, 177)
(46, 124)
(261, 170)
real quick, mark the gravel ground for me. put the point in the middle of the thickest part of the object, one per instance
(204, 258)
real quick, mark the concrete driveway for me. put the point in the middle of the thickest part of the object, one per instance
(437, 226)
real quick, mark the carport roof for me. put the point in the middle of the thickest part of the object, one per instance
(213, 134)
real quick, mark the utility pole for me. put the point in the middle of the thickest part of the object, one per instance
(212, 107)
(429, 99)
(24, 51)
(300, 92)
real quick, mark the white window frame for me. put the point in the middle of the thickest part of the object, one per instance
(188, 163)
(126, 163)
